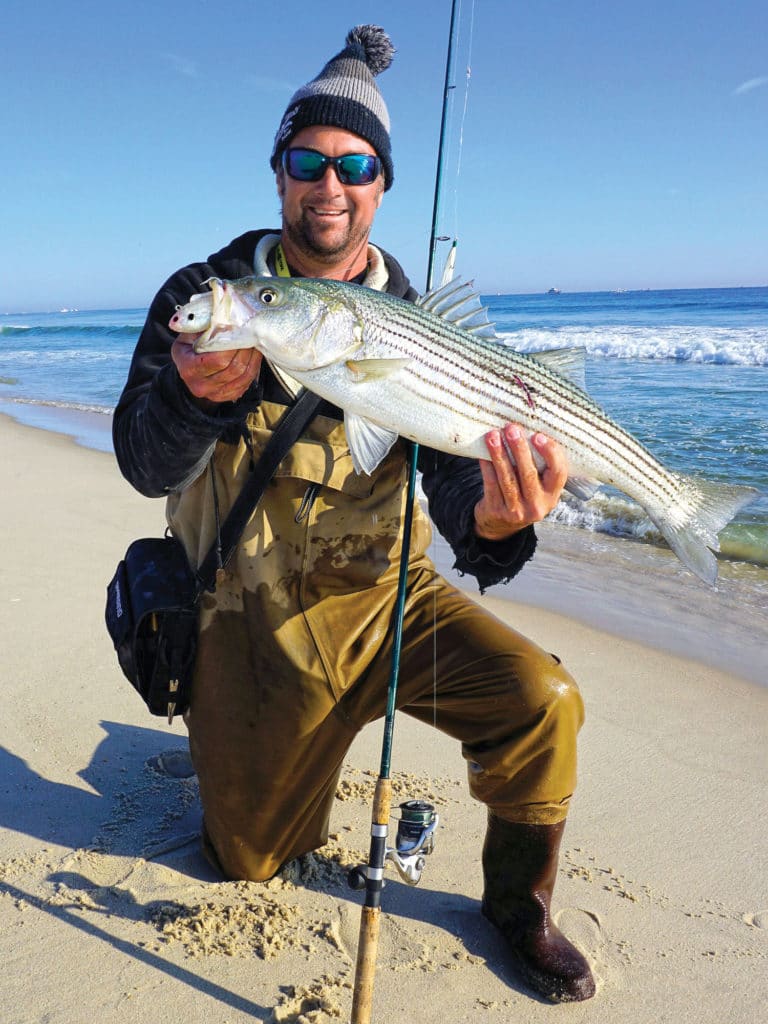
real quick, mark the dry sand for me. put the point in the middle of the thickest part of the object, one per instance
(108, 912)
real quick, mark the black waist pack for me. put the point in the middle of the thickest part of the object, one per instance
(152, 600)
(151, 615)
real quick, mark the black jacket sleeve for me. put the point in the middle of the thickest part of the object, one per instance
(162, 436)
(453, 486)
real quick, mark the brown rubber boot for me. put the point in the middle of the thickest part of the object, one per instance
(520, 868)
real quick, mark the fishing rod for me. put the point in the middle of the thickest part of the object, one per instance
(418, 822)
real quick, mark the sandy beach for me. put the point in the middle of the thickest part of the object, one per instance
(109, 913)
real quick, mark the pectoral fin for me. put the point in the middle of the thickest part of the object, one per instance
(368, 442)
(374, 369)
(582, 487)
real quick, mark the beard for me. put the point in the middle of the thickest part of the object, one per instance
(325, 246)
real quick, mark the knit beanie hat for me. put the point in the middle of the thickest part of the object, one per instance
(345, 95)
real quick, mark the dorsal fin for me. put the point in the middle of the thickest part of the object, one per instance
(568, 362)
(458, 303)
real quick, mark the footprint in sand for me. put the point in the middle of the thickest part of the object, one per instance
(585, 929)
(758, 920)
(399, 947)
(177, 763)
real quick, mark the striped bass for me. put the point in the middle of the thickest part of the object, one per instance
(436, 373)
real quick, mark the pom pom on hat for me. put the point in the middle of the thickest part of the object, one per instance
(378, 47)
(345, 95)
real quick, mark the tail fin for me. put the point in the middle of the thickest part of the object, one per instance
(691, 526)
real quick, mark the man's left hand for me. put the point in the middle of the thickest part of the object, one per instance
(515, 493)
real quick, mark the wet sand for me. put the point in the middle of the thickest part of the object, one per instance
(109, 913)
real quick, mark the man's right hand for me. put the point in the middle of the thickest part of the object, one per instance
(215, 376)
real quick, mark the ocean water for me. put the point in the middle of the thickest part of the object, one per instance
(685, 371)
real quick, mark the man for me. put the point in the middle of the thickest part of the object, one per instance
(294, 647)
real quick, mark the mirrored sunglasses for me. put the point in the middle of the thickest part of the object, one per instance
(351, 169)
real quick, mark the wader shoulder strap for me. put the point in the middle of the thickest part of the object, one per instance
(284, 436)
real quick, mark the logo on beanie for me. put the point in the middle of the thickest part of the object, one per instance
(285, 127)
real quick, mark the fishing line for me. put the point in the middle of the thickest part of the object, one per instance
(465, 108)
(434, 658)
(449, 121)
(463, 119)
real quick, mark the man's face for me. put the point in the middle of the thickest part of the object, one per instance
(324, 219)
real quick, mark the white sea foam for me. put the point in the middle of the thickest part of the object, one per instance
(743, 346)
(606, 512)
(102, 410)
(74, 356)
(617, 516)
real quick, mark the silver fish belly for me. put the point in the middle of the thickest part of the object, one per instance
(435, 373)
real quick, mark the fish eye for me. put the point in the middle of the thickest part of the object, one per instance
(268, 296)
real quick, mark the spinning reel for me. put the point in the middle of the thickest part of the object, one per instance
(414, 842)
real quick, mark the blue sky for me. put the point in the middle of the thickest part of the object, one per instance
(605, 145)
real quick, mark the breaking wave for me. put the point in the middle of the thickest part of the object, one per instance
(617, 516)
(75, 330)
(726, 346)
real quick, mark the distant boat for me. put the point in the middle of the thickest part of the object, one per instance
(553, 291)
